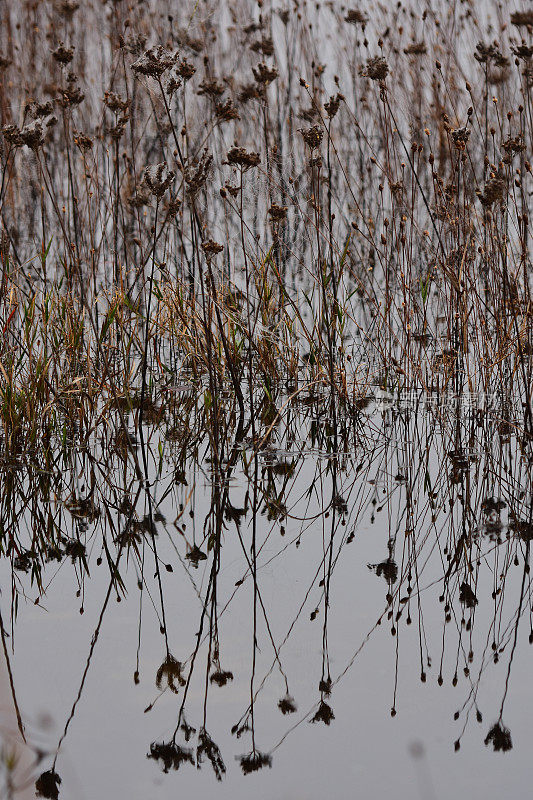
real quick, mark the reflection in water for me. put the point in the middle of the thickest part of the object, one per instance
(445, 482)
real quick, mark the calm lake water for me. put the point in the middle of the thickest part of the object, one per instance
(384, 561)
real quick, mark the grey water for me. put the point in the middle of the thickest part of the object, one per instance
(383, 563)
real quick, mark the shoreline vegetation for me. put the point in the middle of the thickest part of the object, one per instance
(204, 195)
(227, 223)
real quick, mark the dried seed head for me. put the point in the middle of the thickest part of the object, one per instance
(226, 111)
(116, 131)
(83, 141)
(174, 205)
(376, 69)
(416, 49)
(195, 555)
(467, 595)
(487, 54)
(47, 785)
(332, 106)
(158, 178)
(313, 136)
(494, 191)
(221, 677)
(523, 51)
(255, 761)
(186, 69)
(522, 18)
(11, 134)
(233, 190)
(116, 103)
(171, 755)
(211, 248)
(66, 7)
(264, 74)
(397, 189)
(243, 158)
(277, 213)
(310, 114)
(62, 54)
(324, 714)
(32, 135)
(170, 671)
(253, 27)
(42, 109)
(185, 40)
(512, 146)
(207, 747)
(141, 197)
(212, 88)
(500, 736)
(251, 91)
(356, 17)
(196, 173)
(460, 137)
(499, 75)
(155, 61)
(174, 82)
(133, 43)
(287, 705)
(70, 94)
(264, 46)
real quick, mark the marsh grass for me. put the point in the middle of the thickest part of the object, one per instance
(228, 205)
